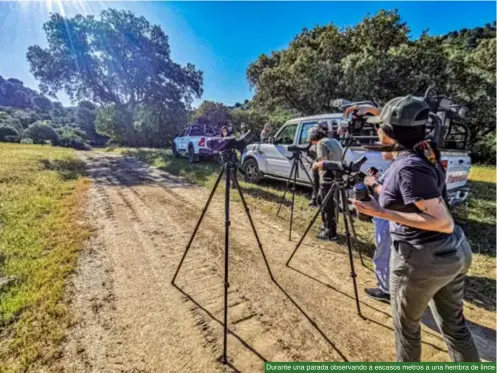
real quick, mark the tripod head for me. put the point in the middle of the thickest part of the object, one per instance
(298, 150)
(343, 167)
(227, 144)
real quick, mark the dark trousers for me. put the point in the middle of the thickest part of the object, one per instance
(328, 211)
(315, 187)
(431, 274)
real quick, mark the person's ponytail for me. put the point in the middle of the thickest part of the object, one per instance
(428, 150)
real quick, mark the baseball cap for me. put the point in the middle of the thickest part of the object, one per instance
(404, 111)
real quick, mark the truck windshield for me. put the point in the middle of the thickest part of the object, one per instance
(287, 134)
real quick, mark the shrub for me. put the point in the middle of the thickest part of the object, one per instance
(12, 138)
(26, 117)
(42, 103)
(40, 132)
(16, 124)
(27, 140)
(73, 138)
(484, 150)
(87, 105)
(7, 132)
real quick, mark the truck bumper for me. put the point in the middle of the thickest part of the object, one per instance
(458, 195)
(205, 152)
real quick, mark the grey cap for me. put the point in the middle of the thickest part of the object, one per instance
(402, 111)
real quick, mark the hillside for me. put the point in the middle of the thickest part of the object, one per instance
(470, 38)
(29, 117)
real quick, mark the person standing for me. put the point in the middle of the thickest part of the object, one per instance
(381, 257)
(430, 254)
(315, 172)
(224, 131)
(225, 134)
(243, 129)
(326, 150)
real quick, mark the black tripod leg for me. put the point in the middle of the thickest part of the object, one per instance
(295, 174)
(198, 223)
(351, 259)
(247, 211)
(354, 235)
(323, 203)
(224, 358)
(286, 190)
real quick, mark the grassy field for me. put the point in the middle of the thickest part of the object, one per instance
(42, 197)
(477, 217)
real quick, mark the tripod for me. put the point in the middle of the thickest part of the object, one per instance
(230, 164)
(337, 192)
(294, 174)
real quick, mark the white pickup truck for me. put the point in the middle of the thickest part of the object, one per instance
(270, 160)
(192, 143)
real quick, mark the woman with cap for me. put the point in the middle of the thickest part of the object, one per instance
(430, 254)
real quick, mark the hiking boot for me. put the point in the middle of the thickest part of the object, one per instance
(378, 294)
(326, 235)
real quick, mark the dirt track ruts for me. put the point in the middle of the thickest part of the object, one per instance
(129, 318)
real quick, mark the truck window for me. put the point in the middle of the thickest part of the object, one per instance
(305, 129)
(287, 134)
(196, 131)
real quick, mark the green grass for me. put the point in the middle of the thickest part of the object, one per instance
(479, 223)
(199, 173)
(477, 216)
(43, 195)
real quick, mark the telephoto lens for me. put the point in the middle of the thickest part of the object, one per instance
(361, 193)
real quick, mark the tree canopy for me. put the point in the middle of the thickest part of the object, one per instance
(118, 60)
(376, 59)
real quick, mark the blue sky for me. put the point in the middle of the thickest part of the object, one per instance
(222, 38)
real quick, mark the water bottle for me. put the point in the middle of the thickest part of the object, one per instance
(361, 193)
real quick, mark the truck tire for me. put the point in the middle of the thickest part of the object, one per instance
(251, 170)
(192, 157)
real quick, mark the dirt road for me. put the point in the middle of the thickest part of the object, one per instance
(129, 318)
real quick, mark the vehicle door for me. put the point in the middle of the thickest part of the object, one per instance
(306, 159)
(278, 154)
(180, 140)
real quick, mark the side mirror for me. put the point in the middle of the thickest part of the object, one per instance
(272, 140)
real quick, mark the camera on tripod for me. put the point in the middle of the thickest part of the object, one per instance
(343, 167)
(349, 175)
(226, 144)
(298, 150)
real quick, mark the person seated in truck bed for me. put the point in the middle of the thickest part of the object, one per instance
(265, 134)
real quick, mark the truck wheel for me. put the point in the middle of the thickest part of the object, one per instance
(192, 157)
(251, 169)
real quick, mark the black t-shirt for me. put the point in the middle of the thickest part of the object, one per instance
(411, 179)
